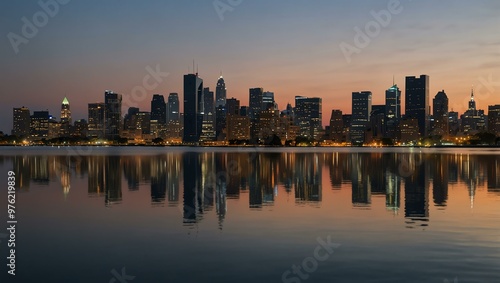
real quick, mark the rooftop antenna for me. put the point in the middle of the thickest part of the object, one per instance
(393, 84)
(193, 65)
(196, 69)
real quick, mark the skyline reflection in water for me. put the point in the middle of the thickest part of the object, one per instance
(202, 182)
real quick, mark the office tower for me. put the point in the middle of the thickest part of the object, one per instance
(308, 116)
(392, 110)
(220, 93)
(65, 118)
(173, 108)
(417, 102)
(268, 101)
(440, 113)
(21, 122)
(96, 120)
(39, 125)
(220, 122)
(336, 126)
(232, 106)
(159, 109)
(255, 102)
(143, 123)
(453, 123)
(361, 110)
(208, 111)
(80, 128)
(112, 114)
(494, 119)
(377, 121)
(193, 119)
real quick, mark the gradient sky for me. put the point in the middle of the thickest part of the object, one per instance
(289, 47)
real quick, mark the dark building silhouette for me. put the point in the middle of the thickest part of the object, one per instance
(112, 114)
(173, 108)
(361, 110)
(440, 114)
(308, 116)
(416, 191)
(193, 97)
(21, 122)
(191, 176)
(336, 126)
(159, 109)
(417, 102)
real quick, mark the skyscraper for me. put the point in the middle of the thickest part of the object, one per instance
(308, 116)
(65, 118)
(361, 110)
(193, 119)
(417, 102)
(208, 111)
(220, 93)
(440, 113)
(21, 122)
(112, 114)
(173, 108)
(494, 119)
(392, 110)
(255, 102)
(96, 120)
(39, 126)
(336, 126)
(159, 109)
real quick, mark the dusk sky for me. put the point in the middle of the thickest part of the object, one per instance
(288, 47)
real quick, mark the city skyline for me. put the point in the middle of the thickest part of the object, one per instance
(294, 53)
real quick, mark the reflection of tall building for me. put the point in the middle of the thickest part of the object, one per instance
(220, 192)
(112, 180)
(440, 174)
(493, 171)
(417, 102)
(96, 120)
(193, 98)
(112, 114)
(191, 167)
(361, 185)
(308, 178)
(96, 176)
(361, 109)
(40, 169)
(21, 166)
(158, 180)
(393, 192)
(416, 191)
(173, 165)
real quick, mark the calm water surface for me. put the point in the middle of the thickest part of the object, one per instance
(253, 215)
